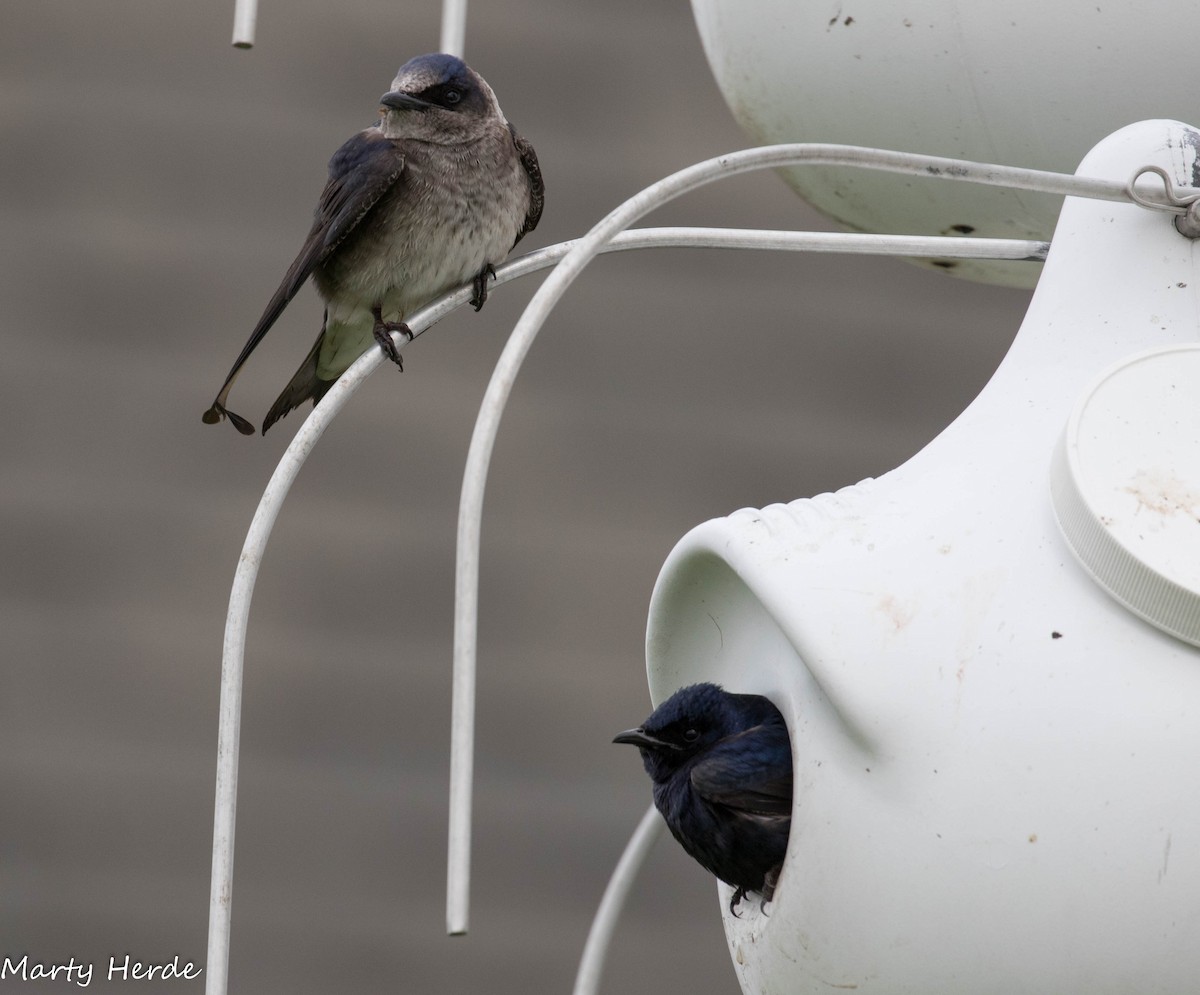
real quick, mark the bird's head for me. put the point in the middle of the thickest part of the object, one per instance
(438, 98)
(686, 724)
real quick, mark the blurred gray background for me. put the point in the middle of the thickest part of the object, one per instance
(155, 185)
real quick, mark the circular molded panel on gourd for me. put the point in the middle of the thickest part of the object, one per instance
(1126, 486)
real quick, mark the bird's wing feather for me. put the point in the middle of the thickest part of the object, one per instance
(537, 187)
(304, 385)
(360, 173)
(756, 779)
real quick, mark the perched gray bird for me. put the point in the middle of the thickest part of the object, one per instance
(433, 195)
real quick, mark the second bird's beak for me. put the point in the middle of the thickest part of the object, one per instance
(640, 738)
(398, 101)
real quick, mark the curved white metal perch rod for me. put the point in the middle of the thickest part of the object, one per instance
(582, 252)
(310, 431)
(314, 426)
(591, 964)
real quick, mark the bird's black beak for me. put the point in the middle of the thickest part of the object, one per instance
(640, 738)
(399, 101)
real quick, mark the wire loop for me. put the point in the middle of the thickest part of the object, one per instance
(1176, 201)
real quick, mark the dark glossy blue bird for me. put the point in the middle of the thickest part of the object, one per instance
(721, 764)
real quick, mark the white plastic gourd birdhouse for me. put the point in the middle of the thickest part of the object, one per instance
(1027, 83)
(987, 657)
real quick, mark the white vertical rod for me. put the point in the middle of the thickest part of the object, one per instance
(454, 27)
(595, 951)
(245, 12)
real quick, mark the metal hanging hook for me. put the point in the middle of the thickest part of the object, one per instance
(1183, 203)
(1177, 202)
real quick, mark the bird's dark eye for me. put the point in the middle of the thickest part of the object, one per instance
(452, 97)
(691, 735)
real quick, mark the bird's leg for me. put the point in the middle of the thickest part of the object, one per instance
(770, 883)
(383, 335)
(736, 900)
(480, 285)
